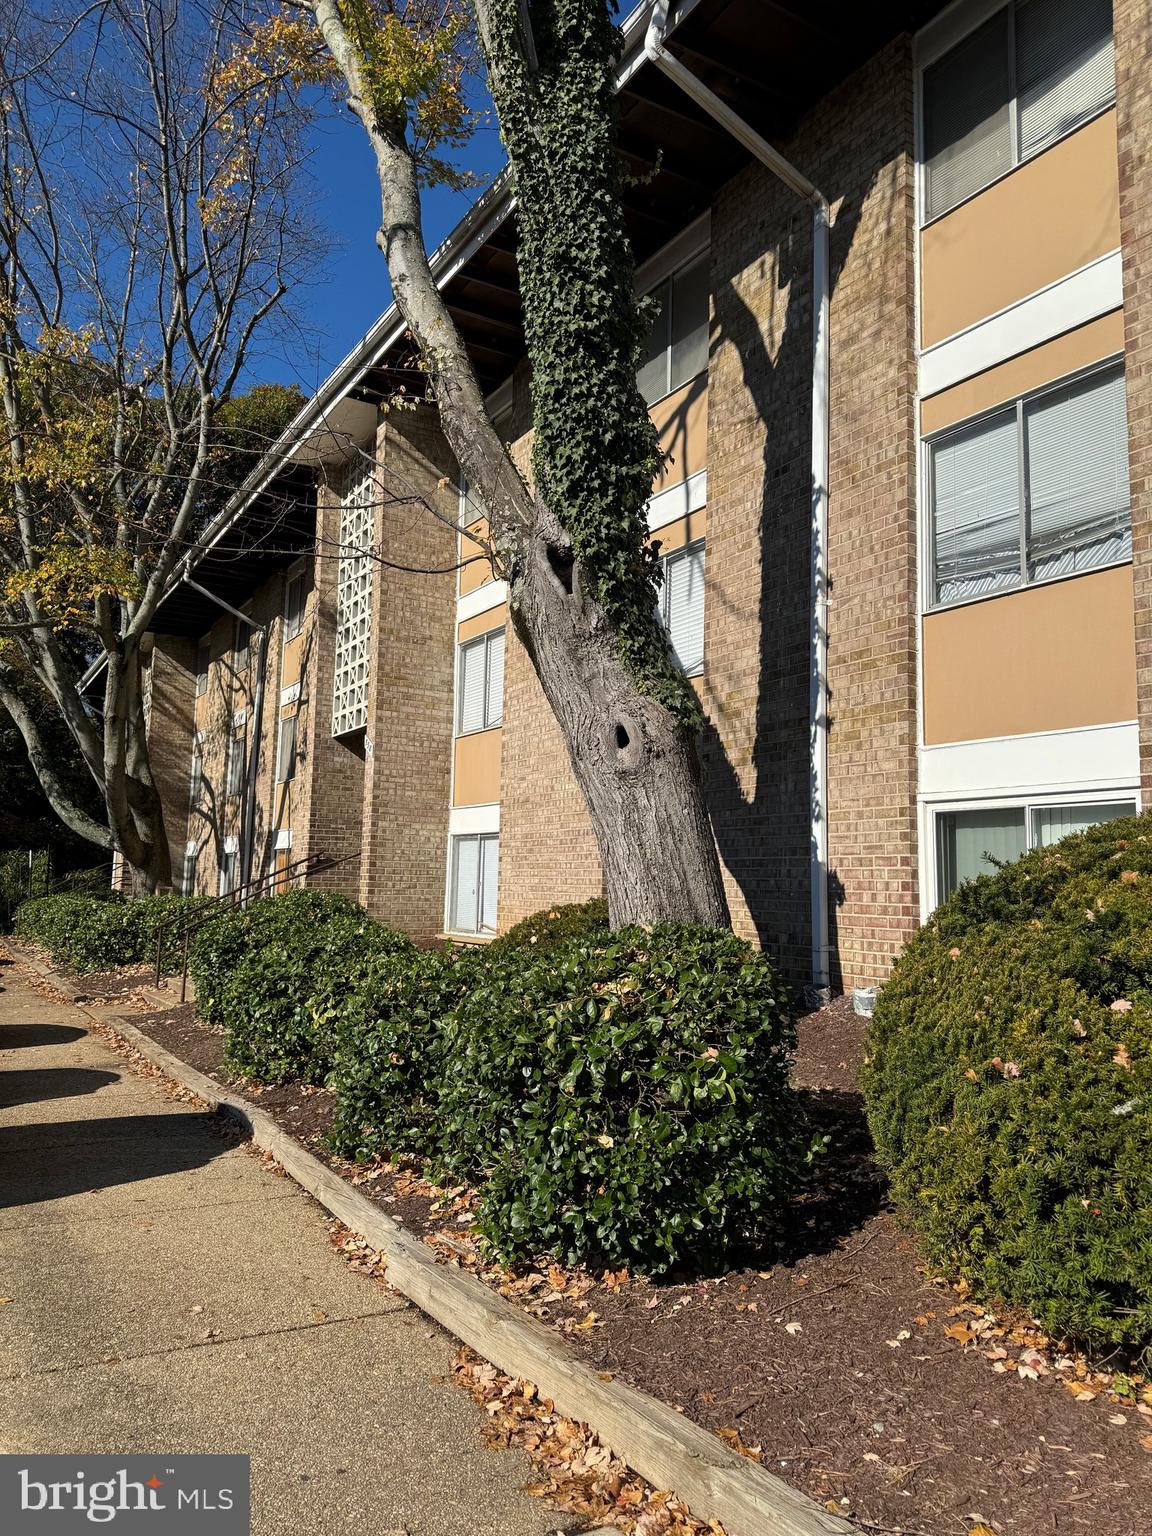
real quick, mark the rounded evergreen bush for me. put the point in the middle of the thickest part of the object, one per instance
(555, 927)
(1009, 1085)
(624, 1101)
(388, 1062)
(268, 973)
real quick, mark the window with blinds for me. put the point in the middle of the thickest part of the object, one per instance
(475, 879)
(677, 345)
(1029, 75)
(1036, 491)
(480, 683)
(682, 605)
(973, 842)
(286, 749)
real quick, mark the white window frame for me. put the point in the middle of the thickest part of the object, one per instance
(203, 666)
(667, 278)
(455, 839)
(190, 868)
(294, 721)
(938, 40)
(1026, 803)
(234, 761)
(666, 556)
(928, 492)
(485, 640)
(241, 649)
(293, 626)
(229, 875)
(196, 771)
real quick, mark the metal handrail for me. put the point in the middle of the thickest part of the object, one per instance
(254, 890)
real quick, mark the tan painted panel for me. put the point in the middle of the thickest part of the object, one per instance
(481, 623)
(1050, 217)
(479, 571)
(682, 422)
(477, 775)
(292, 656)
(685, 530)
(1046, 659)
(1029, 370)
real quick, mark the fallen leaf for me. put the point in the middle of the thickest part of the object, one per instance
(793, 1329)
(1146, 1442)
(1117, 1418)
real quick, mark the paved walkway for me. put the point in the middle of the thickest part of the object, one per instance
(168, 1293)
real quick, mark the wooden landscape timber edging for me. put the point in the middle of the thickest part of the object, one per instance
(663, 1446)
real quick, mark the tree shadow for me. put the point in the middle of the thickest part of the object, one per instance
(52, 1160)
(14, 1037)
(759, 779)
(41, 1084)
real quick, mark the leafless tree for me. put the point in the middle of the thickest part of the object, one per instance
(150, 226)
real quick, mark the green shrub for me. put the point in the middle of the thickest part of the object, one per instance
(389, 1065)
(269, 974)
(98, 933)
(624, 1101)
(1009, 1084)
(555, 927)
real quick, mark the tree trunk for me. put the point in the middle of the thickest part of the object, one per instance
(635, 761)
(628, 717)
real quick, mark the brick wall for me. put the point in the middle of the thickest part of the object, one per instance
(329, 770)
(407, 774)
(857, 148)
(1133, 28)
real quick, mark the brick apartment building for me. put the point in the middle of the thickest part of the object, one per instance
(989, 523)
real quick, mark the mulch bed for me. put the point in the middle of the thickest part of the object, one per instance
(827, 1358)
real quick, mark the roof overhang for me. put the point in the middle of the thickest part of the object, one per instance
(771, 62)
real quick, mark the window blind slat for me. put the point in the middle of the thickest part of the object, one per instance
(1065, 65)
(1078, 500)
(683, 606)
(494, 709)
(976, 509)
(967, 117)
(472, 698)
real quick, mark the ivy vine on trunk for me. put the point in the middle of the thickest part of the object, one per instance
(574, 547)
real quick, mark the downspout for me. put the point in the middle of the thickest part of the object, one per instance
(821, 278)
(248, 809)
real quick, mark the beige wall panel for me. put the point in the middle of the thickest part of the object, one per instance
(482, 623)
(1030, 370)
(476, 574)
(477, 773)
(1049, 658)
(1050, 217)
(685, 530)
(682, 422)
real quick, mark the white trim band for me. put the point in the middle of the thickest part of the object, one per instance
(1096, 757)
(473, 819)
(481, 600)
(678, 501)
(1064, 305)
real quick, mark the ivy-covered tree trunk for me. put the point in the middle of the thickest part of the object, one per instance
(574, 547)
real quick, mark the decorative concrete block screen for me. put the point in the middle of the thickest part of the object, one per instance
(353, 603)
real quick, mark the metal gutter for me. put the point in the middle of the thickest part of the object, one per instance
(658, 28)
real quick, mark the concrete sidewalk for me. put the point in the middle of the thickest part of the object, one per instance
(168, 1293)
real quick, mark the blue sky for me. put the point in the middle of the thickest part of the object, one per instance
(350, 290)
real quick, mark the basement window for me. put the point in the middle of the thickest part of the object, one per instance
(972, 842)
(474, 880)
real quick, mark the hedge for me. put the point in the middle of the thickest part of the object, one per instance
(86, 933)
(555, 927)
(1009, 1085)
(272, 971)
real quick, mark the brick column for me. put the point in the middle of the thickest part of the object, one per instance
(857, 147)
(408, 761)
(1133, 30)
